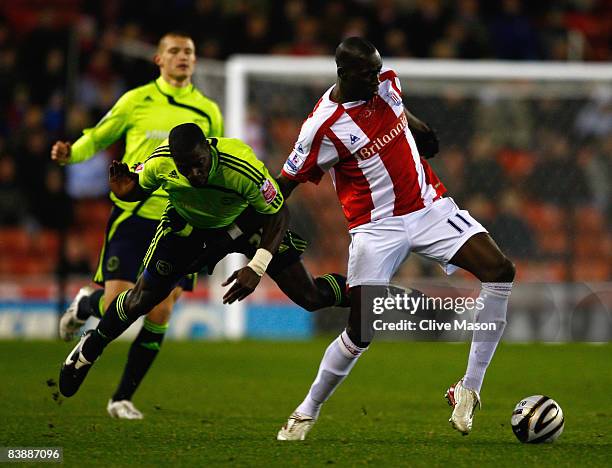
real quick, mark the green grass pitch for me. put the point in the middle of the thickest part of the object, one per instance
(222, 403)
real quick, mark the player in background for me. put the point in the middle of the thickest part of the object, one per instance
(211, 184)
(144, 117)
(360, 132)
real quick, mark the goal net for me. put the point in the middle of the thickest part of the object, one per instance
(525, 147)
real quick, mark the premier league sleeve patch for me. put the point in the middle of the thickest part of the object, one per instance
(268, 190)
(294, 163)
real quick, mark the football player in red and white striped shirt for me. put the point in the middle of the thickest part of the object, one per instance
(361, 134)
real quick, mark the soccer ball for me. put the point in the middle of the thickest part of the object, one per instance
(537, 419)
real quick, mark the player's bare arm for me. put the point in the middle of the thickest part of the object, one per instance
(247, 278)
(424, 136)
(286, 185)
(124, 183)
(60, 152)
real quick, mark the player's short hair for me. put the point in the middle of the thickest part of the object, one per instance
(352, 49)
(185, 140)
(173, 33)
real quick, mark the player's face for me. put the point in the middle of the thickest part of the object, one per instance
(176, 58)
(195, 167)
(360, 79)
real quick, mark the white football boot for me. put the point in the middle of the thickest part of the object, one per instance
(70, 324)
(464, 402)
(296, 427)
(123, 409)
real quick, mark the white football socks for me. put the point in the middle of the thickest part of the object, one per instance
(338, 360)
(494, 297)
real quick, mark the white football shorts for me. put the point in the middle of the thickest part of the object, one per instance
(437, 232)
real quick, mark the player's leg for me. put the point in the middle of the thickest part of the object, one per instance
(310, 293)
(165, 263)
(483, 258)
(462, 242)
(289, 273)
(122, 312)
(374, 256)
(118, 265)
(170, 257)
(143, 351)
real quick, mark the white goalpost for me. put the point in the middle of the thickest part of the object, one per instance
(261, 85)
(278, 92)
(240, 67)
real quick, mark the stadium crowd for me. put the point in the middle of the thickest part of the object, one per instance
(536, 172)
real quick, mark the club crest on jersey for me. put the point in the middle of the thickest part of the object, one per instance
(268, 190)
(395, 98)
(354, 138)
(137, 167)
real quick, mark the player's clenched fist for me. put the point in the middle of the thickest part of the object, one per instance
(60, 152)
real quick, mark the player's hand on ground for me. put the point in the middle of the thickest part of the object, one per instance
(60, 152)
(245, 282)
(120, 178)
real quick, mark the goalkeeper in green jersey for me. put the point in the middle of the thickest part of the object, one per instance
(144, 117)
(210, 183)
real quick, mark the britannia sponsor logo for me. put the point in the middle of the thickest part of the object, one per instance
(376, 146)
(268, 191)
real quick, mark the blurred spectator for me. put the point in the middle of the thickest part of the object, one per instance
(425, 26)
(595, 118)
(54, 208)
(257, 38)
(507, 120)
(76, 258)
(482, 128)
(597, 164)
(483, 174)
(512, 33)
(13, 205)
(509, 228)
(557, 177)
(469, 30)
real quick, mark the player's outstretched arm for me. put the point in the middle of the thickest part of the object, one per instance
(246, 279)
(124, 183)
(61, 151)
(424, 136)
(286, 185)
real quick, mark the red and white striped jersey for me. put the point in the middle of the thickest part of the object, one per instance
(370, 154)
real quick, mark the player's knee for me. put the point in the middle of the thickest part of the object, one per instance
(311, 301)
(139, 302)
(503, 271)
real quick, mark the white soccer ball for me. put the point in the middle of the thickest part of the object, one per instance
(537, 419)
